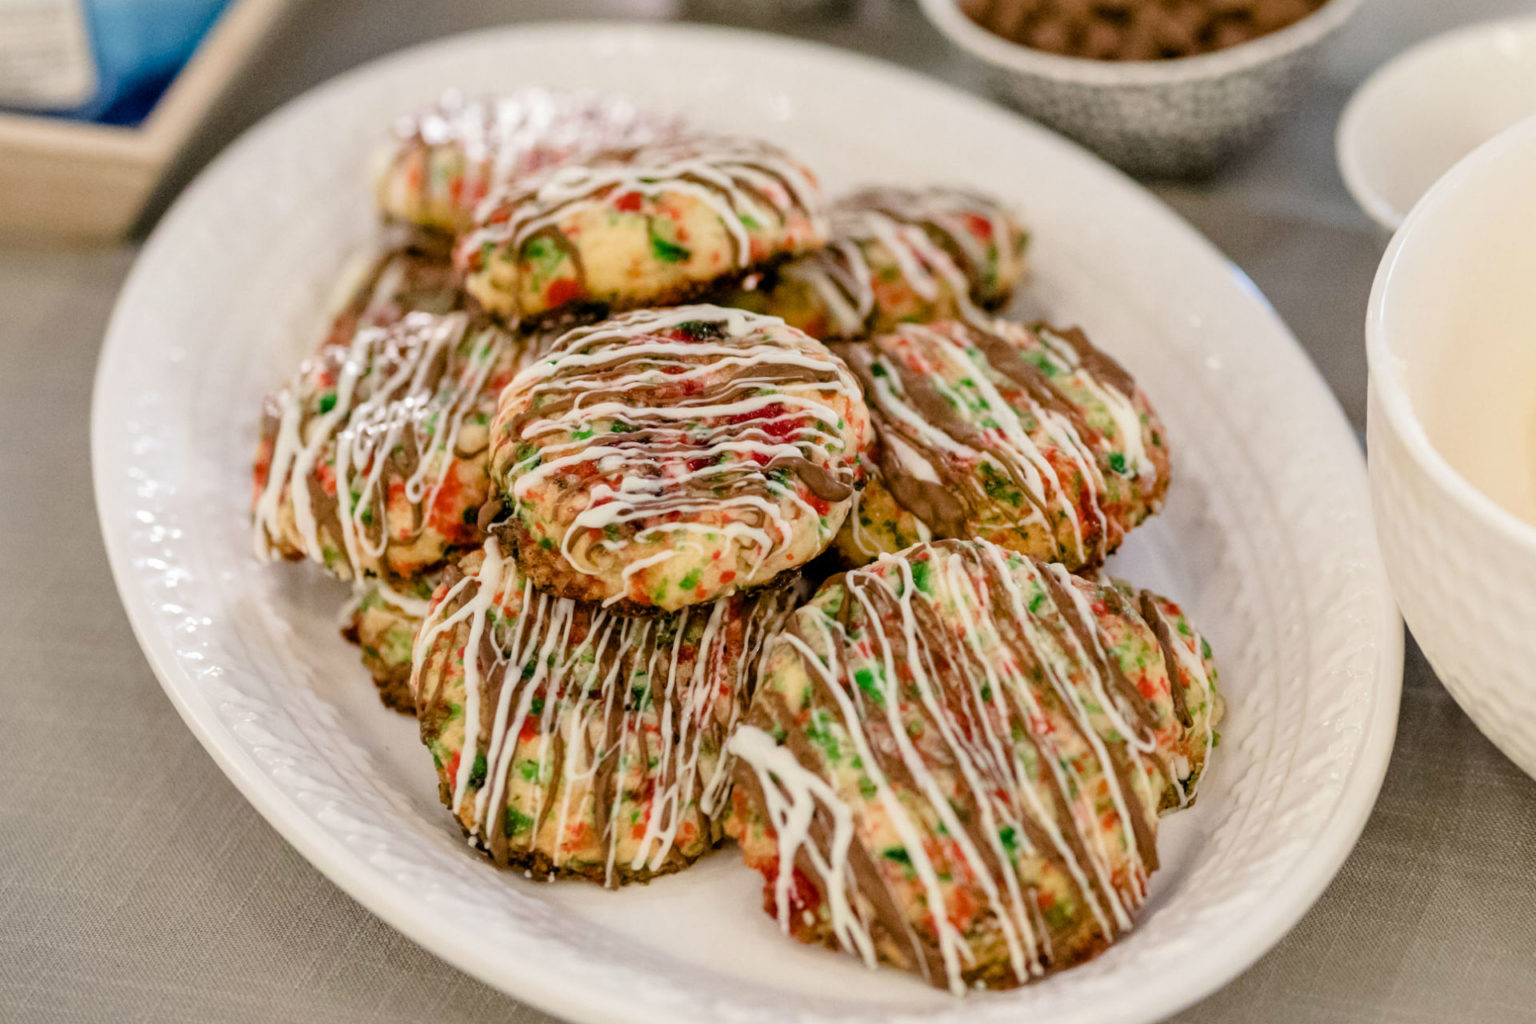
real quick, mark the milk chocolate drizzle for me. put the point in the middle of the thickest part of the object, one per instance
(983, 670)
(701, 412)
(582, 693)
(382, 288)
(407, 402)
(743, 181)
(924, 231)
(937, 442)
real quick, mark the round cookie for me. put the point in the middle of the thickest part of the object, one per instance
(897, 256)
(667, 457)
(379, 288)
(450, 156)
(646, 227)
(1192, 668)
(1027, 437)
(372, 460)
(573, 742)
(381, 621)
(953, 765)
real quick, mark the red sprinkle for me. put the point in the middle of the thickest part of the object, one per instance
(560, 291)
(803, 894)
(978, 226)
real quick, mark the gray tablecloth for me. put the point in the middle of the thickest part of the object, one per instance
(137, 885)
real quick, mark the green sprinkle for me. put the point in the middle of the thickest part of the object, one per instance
(517, 822)
(1010, 840)
(866, 682)
(477, 773)
(667, 252)
(921, 576)
(327, 402)
(819, 732)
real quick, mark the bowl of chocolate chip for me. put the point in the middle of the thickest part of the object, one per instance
(1163, 88)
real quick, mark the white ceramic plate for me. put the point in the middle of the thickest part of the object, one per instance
(1266, 539)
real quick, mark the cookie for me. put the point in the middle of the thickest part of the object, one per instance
(1028, 437)
(668, 457)
(447, 158)
(373, 459)
(382, 621)
(573, 742)
(378, 288)
(953, 765)
(897, 255)
(646, 227)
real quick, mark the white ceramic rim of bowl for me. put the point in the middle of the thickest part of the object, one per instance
(1346, 137)
(1386, 367)
(1085, 71)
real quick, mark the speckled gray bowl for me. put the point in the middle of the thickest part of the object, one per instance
(1172, 118)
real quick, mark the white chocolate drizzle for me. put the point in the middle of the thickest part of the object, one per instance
(905, 223)
(473, 147)
(988, 683)
(943, 419)
(743, 181)
(736, 403)
(562, 676)
(402, 397)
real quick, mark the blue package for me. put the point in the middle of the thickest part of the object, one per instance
(138, 47)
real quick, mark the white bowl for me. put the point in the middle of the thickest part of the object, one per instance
(1164, 118)
(1451, 339)
(1424, 110)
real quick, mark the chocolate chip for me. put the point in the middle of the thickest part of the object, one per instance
(1134, 29)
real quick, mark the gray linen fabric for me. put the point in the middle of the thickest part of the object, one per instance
(137, 885)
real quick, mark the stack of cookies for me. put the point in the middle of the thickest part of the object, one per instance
(680, 503)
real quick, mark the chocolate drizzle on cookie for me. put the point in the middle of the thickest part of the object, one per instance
(970, 781)
(989, 429)
(683, 429)
(363, 443)
(575, 742)
(753, 189)
(950, 251)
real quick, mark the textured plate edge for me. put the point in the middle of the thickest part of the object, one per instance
(562, 994)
